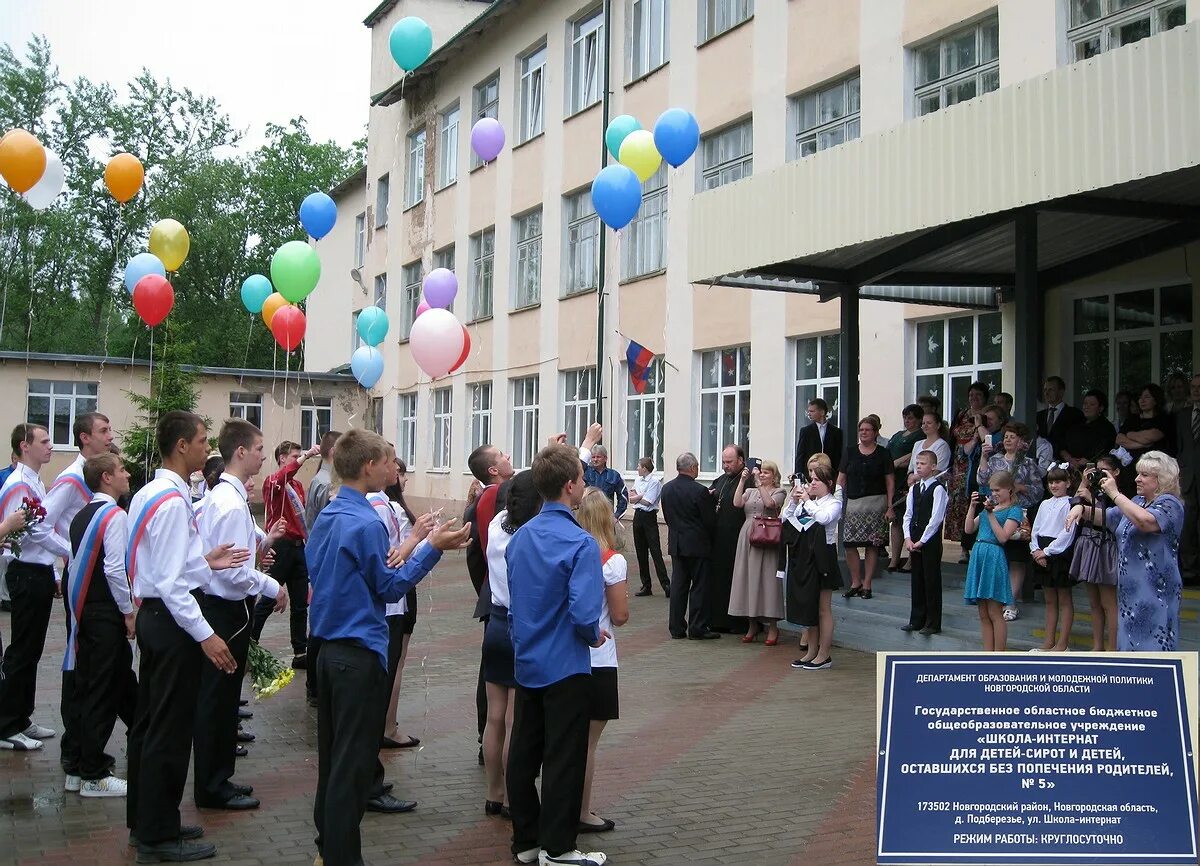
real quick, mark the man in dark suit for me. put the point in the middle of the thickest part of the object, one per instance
(1187, 440)
(691, 519)
(1058, 419)
(820, 436)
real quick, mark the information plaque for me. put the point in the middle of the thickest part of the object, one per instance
(1002, 759)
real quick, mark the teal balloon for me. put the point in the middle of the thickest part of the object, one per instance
(255, 290)
(372, 326)
(411, 42)
(295, 270)
(367, 365)
(618, 128)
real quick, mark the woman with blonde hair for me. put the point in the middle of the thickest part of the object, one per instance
(756, 593)
(595, 515)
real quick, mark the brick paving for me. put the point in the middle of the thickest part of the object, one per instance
(723, 754)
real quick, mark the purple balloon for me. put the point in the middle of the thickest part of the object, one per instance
(487, 138)
(440, 287)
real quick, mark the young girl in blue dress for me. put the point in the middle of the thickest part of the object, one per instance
(995, 519)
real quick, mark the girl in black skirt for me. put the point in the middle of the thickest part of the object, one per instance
(811, 569)
(1052, 546)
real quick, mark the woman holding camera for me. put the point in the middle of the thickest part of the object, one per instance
(984, 425)
(810, 565)
(1094, 563)
(868, 477)
(755, 592)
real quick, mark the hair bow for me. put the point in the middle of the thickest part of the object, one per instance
(1063, 465)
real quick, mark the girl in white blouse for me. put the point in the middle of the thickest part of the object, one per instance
(813, 510)
(1052, 546)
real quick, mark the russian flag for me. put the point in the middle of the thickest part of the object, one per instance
(640, 358)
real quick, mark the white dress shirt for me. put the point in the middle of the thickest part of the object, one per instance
(116, 537)
(498, 541)
(1051, 521)
(826, 511)
(650, 489)
(395, 522)
(936, 516)
(41, 545)
(821, 427)
(226, 519)
(169, 560)
(1053, 413)
(67, 496)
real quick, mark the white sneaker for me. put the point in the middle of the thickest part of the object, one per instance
(20, 743)
(72, 783)
(110, 786)
(37, 732)
(527, 856)
(573, 858)
(1010, 614)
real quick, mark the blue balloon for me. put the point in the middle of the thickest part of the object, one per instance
(318, 213)
(367, 365)
(141, 265)
(616, 195)
(372, 325)
(410, 41)
(676, 135)
(255, 290)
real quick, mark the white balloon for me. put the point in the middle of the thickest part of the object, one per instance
(436, 341)
(46, 190)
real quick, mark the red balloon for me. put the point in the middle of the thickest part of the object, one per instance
(153, 298)
(462, 359)
(288, 325)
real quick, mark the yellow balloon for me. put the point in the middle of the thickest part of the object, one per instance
(639, 153)
(271, 305)
(170, 242)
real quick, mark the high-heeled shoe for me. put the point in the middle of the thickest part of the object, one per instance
(852, 591)
(749, 638)
(772, 641)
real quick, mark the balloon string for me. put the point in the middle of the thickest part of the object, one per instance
(150, 419)
(246, 361)
(29, 315)
(122, 233)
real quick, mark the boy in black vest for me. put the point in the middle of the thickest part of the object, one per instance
(923, 540)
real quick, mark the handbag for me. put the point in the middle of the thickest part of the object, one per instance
(765, 531)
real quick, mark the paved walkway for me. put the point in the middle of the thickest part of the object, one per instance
(723, 754)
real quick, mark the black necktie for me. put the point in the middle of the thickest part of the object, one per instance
(1050, 417)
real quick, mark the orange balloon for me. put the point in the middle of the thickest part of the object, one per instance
(22, 160)
(271, 305)
(123, 176)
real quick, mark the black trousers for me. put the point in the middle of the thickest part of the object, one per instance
(646, 543)
(31, 590)
(347, 747)
(217, 704)
(310, 667)
(291, 570)
(550, 732)
(395, 647)
(926, 565)
(689, 595)
(160, 743)
(104, 688)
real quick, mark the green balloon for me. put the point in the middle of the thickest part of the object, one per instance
(295, 270)
(618, 128)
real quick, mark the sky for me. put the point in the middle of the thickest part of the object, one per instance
(262, 60)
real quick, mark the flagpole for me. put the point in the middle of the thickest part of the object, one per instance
(601, 278)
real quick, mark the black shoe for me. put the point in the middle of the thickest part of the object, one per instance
(387, 788)
(178, 851)
(312, 700)
(495, 807)
(704, 635)
(245, 736)
(481, 756)
(6, 606)
(389, 804)
(852, 591)
(409, 743)
(242, 702)
(603, 827)
(299, 662)
(909, 627)
(866, 593)
(678, 636)
(930, 630)
(186, 831)
(244, 713)
(236, 803)
(244, 790)
(799, 663)
(642, 593)
(241, 752)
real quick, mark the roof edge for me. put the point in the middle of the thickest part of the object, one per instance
(64, 358)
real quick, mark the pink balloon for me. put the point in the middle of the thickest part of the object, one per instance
(422, 307)
(436, 342)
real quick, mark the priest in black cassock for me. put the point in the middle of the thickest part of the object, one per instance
(729, 526)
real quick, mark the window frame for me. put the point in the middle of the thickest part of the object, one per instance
(381, 290)
(414, 167)
(743, 163)
(360, 239)
(383, 194)
(531, 93)
(406, 428)
(312, 408)
(1103, 27)
(577, 410)
(444, 258)
(441, 429)
(240, 407)
(709, 12)
(653, 399)
(482, 106)
(448, 141)
(634, 245)
(586, 28)
(480, 430)
(527, 255)
(575, 224)
(848, 124)
(356, 339)
(640, 59)
(739, 392)
(525, 418)
(979, 72)
(77, 404)
(972, 372)
(482, 259)
(410, 296)
(820, 384)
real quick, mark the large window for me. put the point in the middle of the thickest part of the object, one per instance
(579, 402)
(382, 193)
(724, 403)
(957, 67)
(444, 258)
(443, 421)
(55, 406)
(410, 297)
(483, 252)
(717, 16)
(381, 291)
(360, 240)
(485, 103)
(448, 148)
(248, 407)
(1123, 340)
(527, 290)
(818, 372)
(524, 421)
(414, 188)
(406, 434)
(727, 155)
(316, 419)
(952, 353)
(825, 117)
(375, 414)
(644, 415)
(644, 244)
(582, 271)
(649, 36)
(587, 46)
(481, 415)
(1102, 25)
(355, 337)
(533, 95)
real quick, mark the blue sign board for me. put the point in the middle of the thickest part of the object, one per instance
(1054, 759)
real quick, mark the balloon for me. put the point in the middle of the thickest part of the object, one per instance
(618, 129)
(273, 304)
(123, 176)
(676, 134)
(255, 290)
(141, 265)
(153, 298)
(436, 341)
(170, 242)
(639, 153)
(295, 270)
(367, 365)
(318, 213)
(616, 195)
(288, 325)
(422, 307)
(411, 41)
(46, 190)
(487, 138)
(22, 160)
(372, 326)
(462, 359)
(440, 287)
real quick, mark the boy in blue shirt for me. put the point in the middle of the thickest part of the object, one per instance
(354, 576)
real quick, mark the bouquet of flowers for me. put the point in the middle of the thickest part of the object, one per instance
(267, 674)
(34, 514)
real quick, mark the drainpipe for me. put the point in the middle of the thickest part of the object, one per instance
(600, 289)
